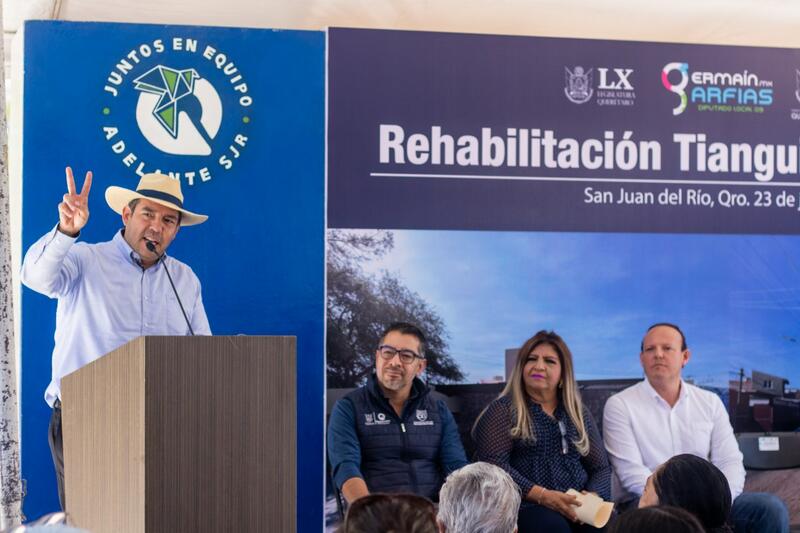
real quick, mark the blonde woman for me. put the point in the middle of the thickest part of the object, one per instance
(540, 433)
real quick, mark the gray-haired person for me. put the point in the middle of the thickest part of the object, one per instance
(480, 498)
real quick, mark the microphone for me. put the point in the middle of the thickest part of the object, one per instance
(152, 247)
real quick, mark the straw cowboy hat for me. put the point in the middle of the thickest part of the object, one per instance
(157, 188)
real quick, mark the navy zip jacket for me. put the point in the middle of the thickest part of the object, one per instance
(409, 453)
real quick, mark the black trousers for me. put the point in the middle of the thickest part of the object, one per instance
(57, 449)
(536, 518)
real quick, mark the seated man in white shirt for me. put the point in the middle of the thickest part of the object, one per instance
(663, 416)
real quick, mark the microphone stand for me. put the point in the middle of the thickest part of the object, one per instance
(152, 247)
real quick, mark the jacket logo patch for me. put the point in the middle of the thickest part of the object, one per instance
(371, 419)
(422, 418)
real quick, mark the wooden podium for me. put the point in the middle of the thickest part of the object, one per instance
(183, 434)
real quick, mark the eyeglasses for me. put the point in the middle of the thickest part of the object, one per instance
(406, 356)
(563, 428)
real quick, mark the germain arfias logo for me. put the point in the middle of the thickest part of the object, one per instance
(678, 88)
(741, 92)
(177, 106)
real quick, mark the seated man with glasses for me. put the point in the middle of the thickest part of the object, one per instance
(390, 435)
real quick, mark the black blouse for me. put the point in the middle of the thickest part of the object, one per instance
(542, 461)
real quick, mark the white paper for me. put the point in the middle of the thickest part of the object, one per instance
(593, 509)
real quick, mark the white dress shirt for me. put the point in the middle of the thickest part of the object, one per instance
(105, 298)
(641, 431)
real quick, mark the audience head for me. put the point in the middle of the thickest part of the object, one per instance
(656, 519)
(390, 513)
(541, 347)
(694, 484)
(480, 498)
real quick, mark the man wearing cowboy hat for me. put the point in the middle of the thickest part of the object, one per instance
(111, 292)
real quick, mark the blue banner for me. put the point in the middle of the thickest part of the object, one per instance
(613, 185)
(237, 115)
(519, 133)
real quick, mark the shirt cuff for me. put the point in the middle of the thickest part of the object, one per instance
(525, 488)
(61, 242)
(346, 471)
(601, 487)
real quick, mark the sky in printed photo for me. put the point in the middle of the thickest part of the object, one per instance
(736, 297)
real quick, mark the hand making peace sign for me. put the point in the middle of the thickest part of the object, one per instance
(73, 212)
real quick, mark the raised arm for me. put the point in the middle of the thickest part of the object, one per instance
(47, 267)
(73, 211)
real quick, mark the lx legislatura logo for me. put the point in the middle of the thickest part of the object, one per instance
(614, 85)
(177, 106)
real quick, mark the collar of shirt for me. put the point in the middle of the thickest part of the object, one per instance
(653, 393)
(536, 409)
(418, 389)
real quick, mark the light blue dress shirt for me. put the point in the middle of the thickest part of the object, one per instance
(105, 298)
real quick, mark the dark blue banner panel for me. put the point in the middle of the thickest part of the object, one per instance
(237, 115)
(453, 131)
